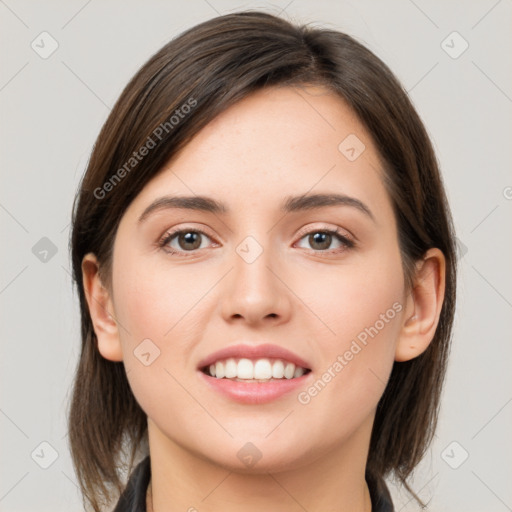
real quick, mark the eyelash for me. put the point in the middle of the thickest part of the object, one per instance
(348, 243)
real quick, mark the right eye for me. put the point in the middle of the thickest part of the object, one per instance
(187, 240)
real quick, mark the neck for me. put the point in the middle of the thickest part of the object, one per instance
(181, 480)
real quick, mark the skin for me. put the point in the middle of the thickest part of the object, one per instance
(272, 144)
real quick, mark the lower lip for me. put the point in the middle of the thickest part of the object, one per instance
(255, 392)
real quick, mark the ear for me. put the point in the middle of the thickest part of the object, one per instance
(423, 306)
(101, 310)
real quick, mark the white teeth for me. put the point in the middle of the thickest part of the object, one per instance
(245, 369)
(289, 370)
(219, 369)
(231, 369)
(278, 370)
(260, 369)
(298, 372)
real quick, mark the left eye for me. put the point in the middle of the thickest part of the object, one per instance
(323, 239)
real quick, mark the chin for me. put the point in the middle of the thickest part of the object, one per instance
(257, 456)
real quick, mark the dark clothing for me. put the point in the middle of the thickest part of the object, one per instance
(133, 498)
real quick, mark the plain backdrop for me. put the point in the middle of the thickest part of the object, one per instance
(453, 58)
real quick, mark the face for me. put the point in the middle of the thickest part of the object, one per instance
(324, 283)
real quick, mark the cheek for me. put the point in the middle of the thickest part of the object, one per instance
(153, 301)
(362, 307)
(358, 296)
(161, 309)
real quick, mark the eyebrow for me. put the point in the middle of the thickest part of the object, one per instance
(289, 205)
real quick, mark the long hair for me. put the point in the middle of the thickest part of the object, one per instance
(210, 67)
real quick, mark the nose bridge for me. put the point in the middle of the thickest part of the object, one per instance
(254, 290)
(254, 256)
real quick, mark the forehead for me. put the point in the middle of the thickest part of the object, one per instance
(276, 142)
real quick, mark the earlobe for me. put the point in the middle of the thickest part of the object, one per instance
(423, 308)
(101, 310)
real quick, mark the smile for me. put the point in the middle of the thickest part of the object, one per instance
(254, 370)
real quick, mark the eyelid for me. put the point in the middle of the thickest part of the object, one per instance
(325, 227)
(171, 232)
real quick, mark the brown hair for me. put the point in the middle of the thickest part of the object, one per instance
(211, 66)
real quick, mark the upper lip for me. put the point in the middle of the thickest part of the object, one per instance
(243, 350)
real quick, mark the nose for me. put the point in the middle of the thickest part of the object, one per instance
(255, 290)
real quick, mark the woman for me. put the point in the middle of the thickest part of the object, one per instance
(266, 268)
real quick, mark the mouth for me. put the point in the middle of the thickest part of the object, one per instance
(254, 370)
(254, 374)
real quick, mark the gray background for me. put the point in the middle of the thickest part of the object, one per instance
(52, 110)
